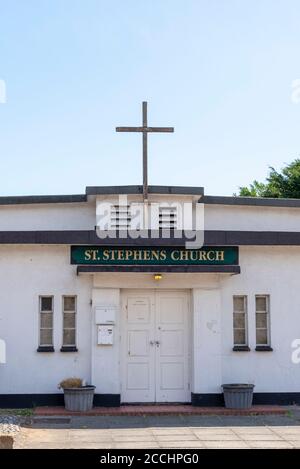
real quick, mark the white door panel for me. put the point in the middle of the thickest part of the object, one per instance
(172, 360)
(138, 376)
(138, 380)
(155, 347)
(171, 343)
(139, 310)
(171, 309)
(172, 377)
(138, 343)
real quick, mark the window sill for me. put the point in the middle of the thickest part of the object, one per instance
(263, 348)
(241, 348)
(69, 349)
(45, 349)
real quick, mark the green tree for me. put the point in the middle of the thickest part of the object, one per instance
(284, 184)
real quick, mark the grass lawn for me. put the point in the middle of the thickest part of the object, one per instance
(18, 412)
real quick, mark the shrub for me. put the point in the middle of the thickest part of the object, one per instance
(70, 383)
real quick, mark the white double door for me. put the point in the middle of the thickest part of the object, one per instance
(155, 346)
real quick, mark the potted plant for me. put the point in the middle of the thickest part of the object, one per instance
(238, 395)
(78, 396)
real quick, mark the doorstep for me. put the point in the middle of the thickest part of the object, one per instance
(164, 410)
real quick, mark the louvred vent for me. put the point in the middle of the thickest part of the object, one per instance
(120, 218)
(167, 217)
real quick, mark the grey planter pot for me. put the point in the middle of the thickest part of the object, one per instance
(79, 399)
(238, 396)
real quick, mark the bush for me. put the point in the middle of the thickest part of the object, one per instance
(70, 383)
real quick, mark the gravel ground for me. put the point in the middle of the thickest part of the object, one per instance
(9, 424)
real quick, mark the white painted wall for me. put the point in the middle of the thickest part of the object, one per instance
(82, 216)
(264, 270)
(31, 217)
(274, 271)
(146, 280)
(29, 271)
(106, 358)
(207, 333)
(243, 218)
(25, 273)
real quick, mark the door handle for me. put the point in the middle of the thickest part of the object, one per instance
(157, 343)
(151, 342)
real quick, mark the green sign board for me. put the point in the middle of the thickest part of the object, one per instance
(104, 255)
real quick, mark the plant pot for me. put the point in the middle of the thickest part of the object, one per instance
(238, 396)
(79, 399)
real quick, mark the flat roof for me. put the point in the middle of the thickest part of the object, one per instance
(42, 199)
(99, 190)
(164, 190)
(250, 201)
(132, 190)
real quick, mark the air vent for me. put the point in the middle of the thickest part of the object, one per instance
(167, 217)
(120, 218)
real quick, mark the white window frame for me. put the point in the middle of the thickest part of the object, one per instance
(66, 346)
(40, 322)
(245, 298)
(267, 312)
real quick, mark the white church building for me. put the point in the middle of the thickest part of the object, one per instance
(148, 319)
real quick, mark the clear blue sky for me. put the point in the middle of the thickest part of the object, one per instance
(219, 71)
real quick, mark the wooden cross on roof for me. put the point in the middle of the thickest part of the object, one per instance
(145, 130)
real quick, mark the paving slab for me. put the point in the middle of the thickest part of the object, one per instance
(287, 430)
(182, 445)
(252, 430)
(218, 437)
(259, 437)
(292, 438)
(145, 444)
(171, 431)
(226, 445)
(177, 438)
(92, 446)
(133, 439)
(213, 431)
(188, 431)
(129, 432)
(89, 431)
(296, 444)
(49, 435)
(270, 444)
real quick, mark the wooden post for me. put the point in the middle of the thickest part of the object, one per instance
(145, 130)
(145, 152)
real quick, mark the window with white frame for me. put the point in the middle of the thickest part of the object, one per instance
(46, 321)
(69, 321)
(262, 316)
(240, 327)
